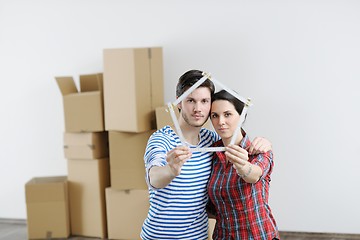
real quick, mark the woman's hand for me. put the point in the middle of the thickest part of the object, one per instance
(238, 157)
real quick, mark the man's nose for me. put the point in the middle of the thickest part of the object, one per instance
(197, 107)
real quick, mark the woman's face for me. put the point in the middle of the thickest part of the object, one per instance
(224, 118)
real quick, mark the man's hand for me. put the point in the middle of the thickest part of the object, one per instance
(260, 145)
(176, 159)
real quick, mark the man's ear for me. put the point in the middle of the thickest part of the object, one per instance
(179, 104)
(179, 107)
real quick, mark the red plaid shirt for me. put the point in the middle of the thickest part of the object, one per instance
(241, 208)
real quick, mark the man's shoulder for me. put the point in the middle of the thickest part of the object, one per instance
(165, 132)
(209, 132)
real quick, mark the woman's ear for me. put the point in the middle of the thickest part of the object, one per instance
(245, 118)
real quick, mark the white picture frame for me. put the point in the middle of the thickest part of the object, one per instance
(170, 105)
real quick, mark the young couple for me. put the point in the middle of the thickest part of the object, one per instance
(186, 187)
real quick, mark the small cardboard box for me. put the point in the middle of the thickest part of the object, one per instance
(127, 167)
(92, 145)
(133, 88)
(83, 110)
(126, 212)
(88, 180)
(211, 228)
(47, 208)
(163, 118)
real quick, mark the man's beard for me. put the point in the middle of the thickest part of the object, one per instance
(192, 124)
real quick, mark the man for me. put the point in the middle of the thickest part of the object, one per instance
(177, 177)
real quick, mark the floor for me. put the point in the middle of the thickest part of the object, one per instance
(16, 230)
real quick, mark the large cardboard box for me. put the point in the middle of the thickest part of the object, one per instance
(163, 118)
(83, 110)
(127, 168)
(126, 212)
(92, 145)
(47, 208)
(88, 180)
(133, 88)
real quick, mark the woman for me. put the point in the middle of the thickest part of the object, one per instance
(239, 184)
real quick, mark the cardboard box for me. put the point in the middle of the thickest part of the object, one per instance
(211, 228)
(163, 118)
(133, 88)
(88, 180)
(47, 208)
(83, 110)
(126, 212)
(127, 167)
(92, 145)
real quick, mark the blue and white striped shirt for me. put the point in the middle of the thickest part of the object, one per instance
(178, 210)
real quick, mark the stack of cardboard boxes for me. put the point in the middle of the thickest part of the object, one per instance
(87, 153)
(58, 207)
(107, 125)
(133, 89)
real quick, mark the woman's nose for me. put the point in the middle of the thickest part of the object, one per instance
(221, 120)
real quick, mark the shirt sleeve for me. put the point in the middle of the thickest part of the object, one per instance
(155, 154)
(265, 162)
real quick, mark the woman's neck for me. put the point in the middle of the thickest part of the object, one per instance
(227, 141)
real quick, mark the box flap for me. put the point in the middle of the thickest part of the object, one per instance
(91, 82)
(66, 85)
(46, 189)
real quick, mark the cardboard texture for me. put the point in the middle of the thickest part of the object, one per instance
(126, 212)
(83, 110)
(133, 88)
(88, 180)
(163, 118)
(212, 223)
(47, 208)
(93, 145)
(127, 168)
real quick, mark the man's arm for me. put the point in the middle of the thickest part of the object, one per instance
(260, 145)
(161, 176)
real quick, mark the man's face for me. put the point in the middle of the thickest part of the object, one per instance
(195, 107)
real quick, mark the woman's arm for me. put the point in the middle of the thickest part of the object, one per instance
(239, 157)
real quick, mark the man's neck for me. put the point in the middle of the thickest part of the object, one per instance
(190, 133)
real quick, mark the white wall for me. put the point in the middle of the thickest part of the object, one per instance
(297, 60)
